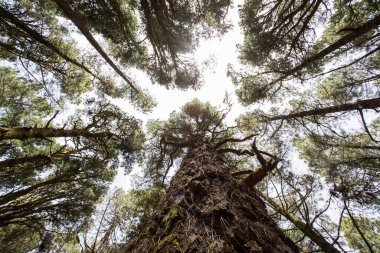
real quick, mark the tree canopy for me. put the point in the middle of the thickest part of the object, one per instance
(299, 166)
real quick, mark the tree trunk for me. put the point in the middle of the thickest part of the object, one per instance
(356, 33)
(359, 105)
(205, 209)
(305, 228)
(11, 196)
(42, 40)
(22, 133)
(80, 24)
(22, 160)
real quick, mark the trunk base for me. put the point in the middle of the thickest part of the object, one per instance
(207, 210)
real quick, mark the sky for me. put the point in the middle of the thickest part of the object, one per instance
(222, 51)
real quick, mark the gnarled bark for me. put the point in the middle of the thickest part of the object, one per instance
(206, 209)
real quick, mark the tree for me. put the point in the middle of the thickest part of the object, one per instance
(171, 31)
(79, 22)
(305, 228)
(350, 164)
(371, 228)
(281, 38)
(33, 36)
(205, 207)
(48, 185)
(10, 18)
(20, 102)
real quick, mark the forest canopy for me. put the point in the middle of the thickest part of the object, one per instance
(298, 170)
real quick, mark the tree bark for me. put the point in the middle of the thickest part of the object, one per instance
(305, 228)
(359, 105)
(23, 133)
(205, 209)
(80, 24)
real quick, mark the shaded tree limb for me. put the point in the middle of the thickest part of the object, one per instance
(78, 21)
(39, 38)
(359, 105)
(354, 34)
(357, 227)
(304, 227)
(22, 133)
(29, 159)
(224, 141)
(365, 126)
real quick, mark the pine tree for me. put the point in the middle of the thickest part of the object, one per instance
(205, 208)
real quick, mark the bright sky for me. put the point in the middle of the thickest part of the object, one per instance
(219, 51)
(222, 51)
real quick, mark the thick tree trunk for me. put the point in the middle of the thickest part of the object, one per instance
(206, 209)
(22, 133)
(359, 105)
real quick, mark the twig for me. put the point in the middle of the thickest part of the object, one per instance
(50, 120)
(365, 126)
(357, 227)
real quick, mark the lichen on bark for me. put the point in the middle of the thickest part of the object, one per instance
(206, 209)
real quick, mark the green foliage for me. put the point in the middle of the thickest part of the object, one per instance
(20, 101)
(142, 204)
(172, 29)
(286, 43)
(42, 64)
(20, 238)
(370, 228)
(252, 89)
(351, 164)
(278, 30)
(342, 87)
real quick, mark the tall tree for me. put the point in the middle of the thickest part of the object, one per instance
(281, 37)
(34, 37)
(47, 184)
(171, 31)
(76, 18)
(205, 207)
(349, 163)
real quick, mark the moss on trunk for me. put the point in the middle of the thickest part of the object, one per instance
(205, 209)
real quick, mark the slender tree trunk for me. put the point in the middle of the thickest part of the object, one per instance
(353, 35)
(306, 229)
(205, 209)
(22, 133)
(39, 38)
(359, 105)
(80, 24)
